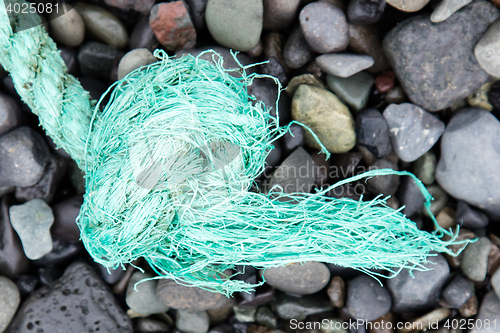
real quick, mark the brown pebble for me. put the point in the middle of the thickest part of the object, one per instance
(336, 292)
(385, 81)
(446, 218)
(302, 79)
(469, 309)
(454, 262)
(257, 50)
(381, 325)
(120, 286)
(426, 320)
(496, 3)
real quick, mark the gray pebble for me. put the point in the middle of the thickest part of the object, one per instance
(408, 6)
(11, 115)
(287, 176)
(68, 28)
(440, 199)
(148, 325)
(291, 307)
(133, 60)
(344, 65)
(143, 36)
(367, 299)
(425, 168)
(297, 52)
(9, 301)
(265, 317)
(299, 279)
(470, 218)
(235, 24)
(278, 14)
(245, 313)
(32, 222)
(413, 130)
(97, 60)
(189, 321)
(410, 196)
(197, 12)
(474, 261)
(458, 291)
(372, 132)
(386, 185)
(325, 27)
(353, 90)
(489, 310)
(495, 282)
(144, 300)
(486, 50)
(446, 8)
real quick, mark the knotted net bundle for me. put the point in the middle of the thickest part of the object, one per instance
(169, 164)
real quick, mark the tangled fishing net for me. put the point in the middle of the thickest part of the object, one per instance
(169, 163)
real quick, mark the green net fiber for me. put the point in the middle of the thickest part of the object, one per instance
(169, 164)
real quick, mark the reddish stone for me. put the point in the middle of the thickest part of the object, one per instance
(385, 81)
(172, 25)
(141, 6)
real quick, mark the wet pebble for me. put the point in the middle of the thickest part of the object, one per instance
(475, 259)
(353, 90)
(8, 302)
(299, 279)
(344, 65)
(367, 299)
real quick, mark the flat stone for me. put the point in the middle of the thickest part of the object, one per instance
(475, 259)
(490, 310)
(372, 132)
(468, 166)
(470, 218)
(236, 24)
(458, 291)
(425, 168)
(434, 70)
(24, 155)
(189, 321)
(446, 8)
(486, 50)
(172, 25)
(326, 116)
(11, 115)
(299, 279)
(143, 36)
(288, 177)
(291, 307)
(421, 291)
(97, 60)
(344, 65)
(32, 222)
(365, 40)
(408, 6)
(297, 52)
(8, 302)
(133, 60)
(367, 299)
(142, 298)
(103, 25)
(279, 14)
(78, 302)
(386, 185)
(365, 11)
(413, 130)
(65, 214)
(324, 27)
(68, 28)
(353, 90)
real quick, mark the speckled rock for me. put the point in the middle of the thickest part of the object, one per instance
(413, 130)
(133, 60)
(67, 29)
(299, 279)
(434, 70)
(486, 50)
(344, 65)
(9, 301)
(235, 24)
(325, 27)
(323, 112)
(78, 302)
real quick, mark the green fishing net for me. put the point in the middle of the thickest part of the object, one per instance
(169, 165)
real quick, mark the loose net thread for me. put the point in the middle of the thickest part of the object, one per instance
(155, 187)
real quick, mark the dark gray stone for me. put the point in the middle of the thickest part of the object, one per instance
(458, 291)
(474, 262)
(8, 302)
(197, 13)
(470, 218)
(413, 130)
(468, 167)
(48, 275)
(278, 14)
(367, 299)
(62, 252)
(68, 54)
(293, 139)
(97, 60)
(291, 307)
(410, 196)
(298, 279)
(11, 115)
(247, 274)
(421, 291)
(297, 52)
(143, 36)
(372, 132)
(386, 185)
(26, 284)
(324, 27)
(365, 11)
(23, 157)
(489, 310)
(78, 302)
(295, 174)
(65, 214)
(114, 275)
(435, 69)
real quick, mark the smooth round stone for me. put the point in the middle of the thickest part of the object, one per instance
(288, 179)
(11, 115)
(324, 27)
(446, 8)
(458, 291)
(386, 185)
(413, 130)
(372, 132)
(468, 167)
(133, 60)
(67, 29)
(367, 299)
(32, 222)
(279, 14)
(486, 50)
(425, 167)
(299, 279)
(189, 321)
(488, 312)
(142, 298)
(325, 114)
(475, 259)
(470, 218)
(365, 11)
(297, 52)
(408, 6)
(236, 24)
(365, 40)
(344, 65)
(353, 90)
(9, 301)
(103, 25)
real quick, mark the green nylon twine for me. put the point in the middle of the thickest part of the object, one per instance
(169, 163)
